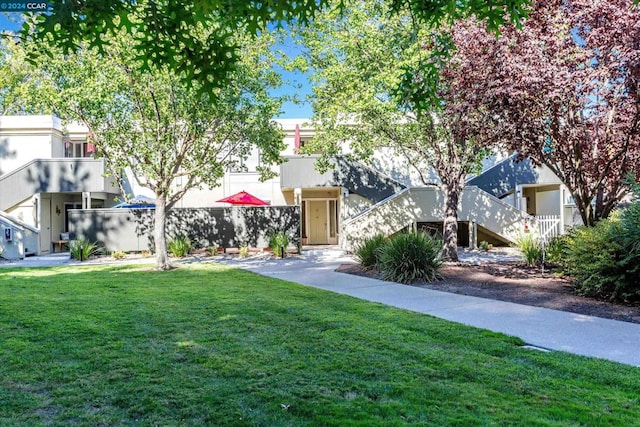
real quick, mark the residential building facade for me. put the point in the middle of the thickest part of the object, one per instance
(47, 169)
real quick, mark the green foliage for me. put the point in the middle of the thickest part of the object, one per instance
(630, 222)
(277, 242)
(556, 249)
(369, 251)
(164, 31)
(434, 13)
(593, 259)
(243, 252)
(152, 126)
(165, 34)
(604, 260)
(118, 254)
(19, 93)
(408, 257)
(531, 249)
(81, 249)
(212, 250)
(485, 246)
(370, 66)
(179, 246)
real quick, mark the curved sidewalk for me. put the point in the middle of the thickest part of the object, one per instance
(539, 327)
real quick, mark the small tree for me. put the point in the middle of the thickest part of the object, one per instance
(160, 129)
(564, 90)
(381, 73)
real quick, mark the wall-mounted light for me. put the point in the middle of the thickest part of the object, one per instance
(57, 210)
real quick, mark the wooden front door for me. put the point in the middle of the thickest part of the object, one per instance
(318, 222)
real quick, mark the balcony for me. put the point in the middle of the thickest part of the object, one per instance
(72, 175)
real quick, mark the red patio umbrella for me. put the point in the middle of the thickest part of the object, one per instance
(243, 198)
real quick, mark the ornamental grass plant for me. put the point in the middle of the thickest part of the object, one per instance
(368, 252)
(409, 257)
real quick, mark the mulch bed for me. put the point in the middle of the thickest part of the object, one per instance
(515, 282)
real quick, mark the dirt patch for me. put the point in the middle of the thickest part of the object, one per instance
(517, 283)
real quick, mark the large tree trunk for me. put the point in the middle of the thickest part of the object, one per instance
(450, 226)
(162, 259)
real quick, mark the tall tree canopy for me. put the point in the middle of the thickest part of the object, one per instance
(361, 60)
(161, 28)
(18, 82)
(153, 124)
(564, 90)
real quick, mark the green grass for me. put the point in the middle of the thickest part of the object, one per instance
(207, 344)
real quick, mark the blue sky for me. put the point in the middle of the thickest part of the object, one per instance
(296, 83)
(6, 24)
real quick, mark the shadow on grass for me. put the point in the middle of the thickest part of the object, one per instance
(209, 344)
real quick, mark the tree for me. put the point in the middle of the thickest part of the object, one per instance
(17, 83)
(161, 129)
(363, 62)
(564, 91)
(162, 28)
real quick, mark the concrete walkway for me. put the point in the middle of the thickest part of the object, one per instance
(539, 327)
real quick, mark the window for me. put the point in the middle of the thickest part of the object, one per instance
(305, 141)
(333, 218)
(75, 149)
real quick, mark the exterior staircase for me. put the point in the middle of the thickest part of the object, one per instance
(24, 241)
(502, 178)
(63, 175)
(358, 178)
(425, 204)
(365, 181)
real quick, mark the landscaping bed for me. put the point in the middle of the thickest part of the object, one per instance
(517, 283)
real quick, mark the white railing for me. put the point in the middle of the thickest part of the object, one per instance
(548, 227)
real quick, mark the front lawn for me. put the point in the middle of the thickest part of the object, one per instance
(208, 344)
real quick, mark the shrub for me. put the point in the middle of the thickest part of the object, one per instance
(243, 252)
(81, 249)
(408, 257)
(277, 242)
(179, 246)
(531, 249)
(630, 224)
(556, 250)
(368, 252)
(212, 250)
(145, 253)
(605, 259)
(118, 254)
(485, 246)
(593, 260)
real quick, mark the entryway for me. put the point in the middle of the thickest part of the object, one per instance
(320, 221)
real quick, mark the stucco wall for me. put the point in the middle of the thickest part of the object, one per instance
(548, 202)
(13, 248)
(132, 229)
